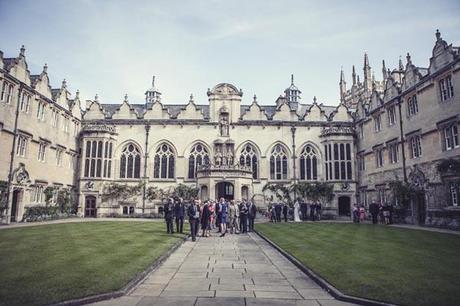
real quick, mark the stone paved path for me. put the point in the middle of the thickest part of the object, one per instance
(234, 270)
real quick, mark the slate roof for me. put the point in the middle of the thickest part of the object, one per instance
(175, 109)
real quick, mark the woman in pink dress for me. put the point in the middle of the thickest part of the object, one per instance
(212, 208)
(362, 213)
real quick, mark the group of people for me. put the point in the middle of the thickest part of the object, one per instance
(301, 211)
(380, 213)
(227, 216)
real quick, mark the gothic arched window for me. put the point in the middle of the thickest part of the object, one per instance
(130, 162)
(199, 155)
(163, 162)
(308, 163)
(278, 163)
(248, 158)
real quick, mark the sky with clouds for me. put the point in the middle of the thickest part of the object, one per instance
(113, 48)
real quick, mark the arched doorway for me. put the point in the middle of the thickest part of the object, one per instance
(90, 206)
(344, 206)
(15, 203)
(224, 190)
(245, 192)
(204, 193)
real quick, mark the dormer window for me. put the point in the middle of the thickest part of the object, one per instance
(377, 123)
(446, 89)
(391, 115)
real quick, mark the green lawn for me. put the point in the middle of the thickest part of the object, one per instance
(402, 266)
(51, 263)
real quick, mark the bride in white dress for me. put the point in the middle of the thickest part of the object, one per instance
(296, 212)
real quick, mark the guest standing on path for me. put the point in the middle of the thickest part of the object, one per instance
(278, 209)
(179, 212)
(169, 215)
(205, 217)
(303, 210)
(194, 217)
(243, 217)
(296, 211)
(223, 207)
(218, 216)
(252, 211)
(312, 211)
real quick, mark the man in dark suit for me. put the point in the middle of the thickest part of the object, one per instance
(243, 217)
(285, 212)
(169, 215)
(218, 216)
(312, 211)
(303, 211)
(179, 211)
(193, 213)
(374, 210)
(252, 211)
(278, 209)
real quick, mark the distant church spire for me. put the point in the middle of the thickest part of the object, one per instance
(152, 95)
(367, 73)
(353, 75)
(384, 70)
(342, 85)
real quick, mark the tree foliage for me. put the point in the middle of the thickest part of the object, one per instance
(402, 192)
(121, 191)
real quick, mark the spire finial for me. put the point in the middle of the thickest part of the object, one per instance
(153, 81)
(45, 68)
(292, 79)
(401, 66)
(191, 98)
(409, 61)
(366, 60)
(438, 34)
(342, 76)
(96, 98)
(314, 100)
(126, 98)
(64, 83)
(22, 51)
(254, 99)
(77, 94)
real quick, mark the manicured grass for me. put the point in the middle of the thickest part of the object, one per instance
(51, 263)
(402, 266)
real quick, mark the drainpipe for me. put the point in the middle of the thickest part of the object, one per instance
(293, 129)
(147, 130)
(10, 172)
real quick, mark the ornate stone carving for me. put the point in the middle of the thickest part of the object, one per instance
(21, 174)
(337, 130)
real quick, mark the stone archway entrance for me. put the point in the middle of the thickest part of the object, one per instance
(344, 206)
(15, 203)
(225, 190)
(90, 206)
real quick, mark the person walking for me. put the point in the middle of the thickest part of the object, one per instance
(193, 217)
(168, 210)
(179, 212)
(285, 212)
(374, 210)
(232, 216)
(252, 211)
(223, 206)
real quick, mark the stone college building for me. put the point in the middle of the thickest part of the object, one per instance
(400, 128)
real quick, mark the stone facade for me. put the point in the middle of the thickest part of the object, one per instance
(405, 129)
(226, 147)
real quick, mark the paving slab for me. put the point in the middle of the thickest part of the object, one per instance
(232, 270)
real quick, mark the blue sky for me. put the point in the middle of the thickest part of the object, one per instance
(114, 47)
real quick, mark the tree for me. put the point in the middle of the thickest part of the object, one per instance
(281, 192)
(402, 193)
(304, 189)
(184, 191)
(121, 191)
(49, 194)
(323, 193)
(63, 200)
(3, 203)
